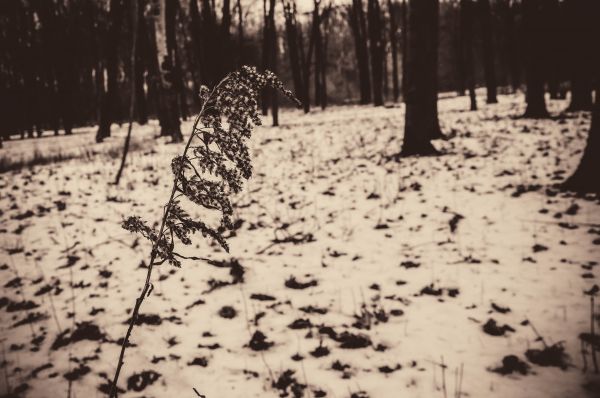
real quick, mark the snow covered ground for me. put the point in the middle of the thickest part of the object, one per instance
(350, 275)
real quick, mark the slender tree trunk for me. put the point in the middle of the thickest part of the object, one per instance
(151, 62)
(512, 9)
(272, 47)
(196, 33)
(140, 50)
(466, 12)
(226, 48)
(173, 50)
(240, 33)
(536, 103)
(110, 105)
(377, 49)
(28, 63)
(359, 32)
(67, 69)
(324, 58)
(581, 20)
(316, 20)
(386, 81)
(167, 95)
(291, 30)
(134, 29)
(47, 15)
(305, 61)
(458, 42)
(420, 118)
(212, 45)
(404, 45)
(265, 97)
(393, 33)
(433, 87)
(585, 178)
(554, 47)
(488, 51)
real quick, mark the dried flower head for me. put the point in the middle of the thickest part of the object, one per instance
(214, 164)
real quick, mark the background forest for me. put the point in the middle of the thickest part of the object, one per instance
(66, 63)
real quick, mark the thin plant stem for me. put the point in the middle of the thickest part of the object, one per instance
(537, 334)
(147, 285)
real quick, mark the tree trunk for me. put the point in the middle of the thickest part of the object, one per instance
(461, 80)
(140, 50)
(272, 46)
(68, 67)
(509, 12)
(581, 20)
(386, 82)
(134, 44)
(585, 178)
(433, 96)
(110, 105)
(305, 60)
(533, 25)
(266, 51)
(554, 47)
(325, 37)
(419, 127)
(173, 50)
(404, 45)
(240, 33)
(359, 32)
(377, 49)
(393, 34)
(291, 31)
(316, 21)
(196, 33)
(488, 51)
(226, 60)
(167, 95)
(466, 14)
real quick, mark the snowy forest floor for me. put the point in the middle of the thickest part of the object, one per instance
(362, 274)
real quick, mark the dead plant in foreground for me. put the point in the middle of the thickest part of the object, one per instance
(211, 168)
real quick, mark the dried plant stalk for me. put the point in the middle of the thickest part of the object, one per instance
(211, 168)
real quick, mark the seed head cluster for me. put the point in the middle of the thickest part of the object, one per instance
(214, 165)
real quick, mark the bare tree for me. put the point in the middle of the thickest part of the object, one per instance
(356, 18)
(273, 55)
(510, 10)
(585, 178)
(325, 16)
(269, 58)
(458, 48)
(393, 11)
(141, 49)
(421, 112)
(291, 31)
(318, 39)
(377, 47)
(466, 23)
(167, 94)
(404, 36)
(134, 31)
(580, 20)
(488, 50)
(109, 106)
(533, 25)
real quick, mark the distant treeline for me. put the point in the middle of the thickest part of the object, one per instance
(67, 63)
